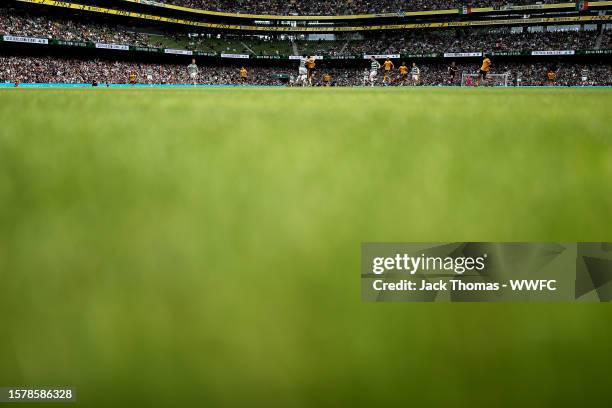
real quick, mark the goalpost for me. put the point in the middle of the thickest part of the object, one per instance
(492, 79)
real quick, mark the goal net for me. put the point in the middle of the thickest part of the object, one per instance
(492, 80)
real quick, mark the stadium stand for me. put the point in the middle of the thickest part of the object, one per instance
(53, 70)
(412, 42)
(320, 7)
(37, 45)
(473, 40)
(13, 22)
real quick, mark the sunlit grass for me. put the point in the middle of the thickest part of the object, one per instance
(201, 247)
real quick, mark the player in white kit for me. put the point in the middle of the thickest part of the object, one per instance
(193, 72)
(415, 73)
(374, 67)
(366, 76)
(302, 78)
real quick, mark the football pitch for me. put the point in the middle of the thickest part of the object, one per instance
(201, 247)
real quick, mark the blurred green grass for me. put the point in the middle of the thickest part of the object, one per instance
(201, 247)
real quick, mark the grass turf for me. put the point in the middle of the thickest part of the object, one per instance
(188, 247)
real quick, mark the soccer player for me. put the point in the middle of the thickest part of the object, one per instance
(374, 67)
(193, 71)
(452, 73)
(312, 66)
(132, 77)
(149, 76)
(415, 72)
(327, 79)
(484, 69)
(387, 67)
(366, 76)
(244, 75)
(403, 70)
(302, 72)
(551, 75)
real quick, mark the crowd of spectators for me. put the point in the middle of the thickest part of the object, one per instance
(22, 69)
(14, 23)
(409, 42)
(475, 40)
(528, 74)
(342, 7)
(59, 70)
